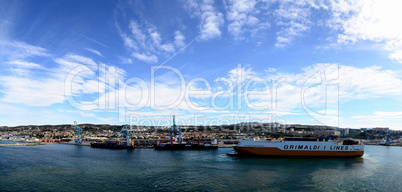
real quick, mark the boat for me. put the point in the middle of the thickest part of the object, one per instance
(180, 145)
(201, 144)
(124, 142)
(231, 142)
(299, 146)
(184, 146)
(111, 145)
(386, 142)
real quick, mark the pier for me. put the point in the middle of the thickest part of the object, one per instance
(19, 144)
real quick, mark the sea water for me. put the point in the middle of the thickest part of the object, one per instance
(59, 167)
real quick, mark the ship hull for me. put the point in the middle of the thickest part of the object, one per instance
(110, 146)
(273, 151)
(184, 147)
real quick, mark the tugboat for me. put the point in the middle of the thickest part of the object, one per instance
(204, 144)
(299, 146)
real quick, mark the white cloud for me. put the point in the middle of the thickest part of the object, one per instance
(381, 115)
(67, 66)
(126, 60)
(294, 20)
(167, 47)
(239, 75)
(378, 119)
(354, 83)
(368, 82)
(179, 39)
(192, 7)
(137, 33)
(270, 70)
(211, 20)
(20, 50)
(24, 64)
(25, 88)
(396, 55)
(242, 16)
(94, 51)
(157, 41)
(80, 59)
(20, 71)
(128, 42)
(146, 57)
(373, 20)
(145, 42)
(316, 91)
(32, 92)
(164, 99)
(23, 68)
(155, 36)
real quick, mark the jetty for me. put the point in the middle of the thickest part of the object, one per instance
(19, 144)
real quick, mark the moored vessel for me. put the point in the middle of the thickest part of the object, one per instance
(184, 146)
(180, 145)
(111, 145)
(299, 146)
(124, 142)
(200, 144)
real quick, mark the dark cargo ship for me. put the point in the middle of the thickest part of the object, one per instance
(124, 142)
(209, 144)
(111, 145)
(184, 147)
(205, 144)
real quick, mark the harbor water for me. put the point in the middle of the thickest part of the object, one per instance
(59, 167)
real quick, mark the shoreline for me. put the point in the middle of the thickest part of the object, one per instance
(87, 143)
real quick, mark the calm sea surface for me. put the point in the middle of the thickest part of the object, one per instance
(81, 168)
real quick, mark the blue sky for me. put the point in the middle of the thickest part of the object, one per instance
(209, 62)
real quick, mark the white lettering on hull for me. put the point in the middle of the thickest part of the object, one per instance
(316, 147)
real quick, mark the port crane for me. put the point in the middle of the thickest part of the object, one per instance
(388, 142)
(125, 135)
(175, 131)
(78, 133)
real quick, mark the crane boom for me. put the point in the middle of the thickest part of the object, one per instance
(125, 135)
(77, 134)
(175, 131)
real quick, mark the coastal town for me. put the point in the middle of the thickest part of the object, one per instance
(148, 135)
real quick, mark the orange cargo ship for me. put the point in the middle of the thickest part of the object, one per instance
(298, 146)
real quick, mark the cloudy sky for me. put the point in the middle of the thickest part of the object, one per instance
(209, 62)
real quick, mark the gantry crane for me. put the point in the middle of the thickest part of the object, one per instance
(175, 131)
(125, 136)
(78, 133)
(388, 142)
